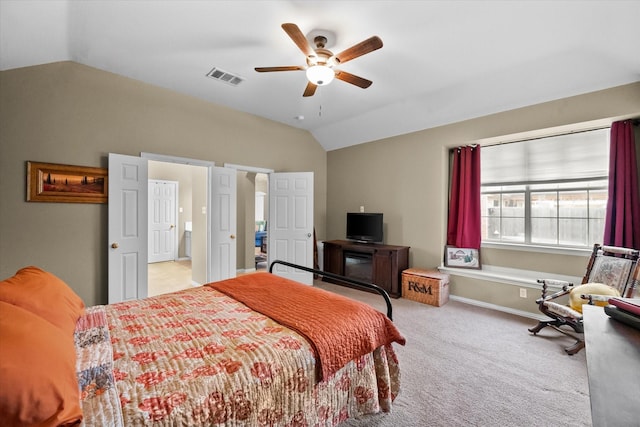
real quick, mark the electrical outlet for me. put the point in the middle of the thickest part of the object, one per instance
(361, 208)
(523, 292)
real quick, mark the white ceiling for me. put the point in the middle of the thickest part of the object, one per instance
(442, 61)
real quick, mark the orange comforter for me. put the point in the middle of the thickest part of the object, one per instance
(339, 329)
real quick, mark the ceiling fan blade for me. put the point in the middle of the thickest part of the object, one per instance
(310, 89)
(299, 39)
(284, 68)
(362, 48)
(353, 79)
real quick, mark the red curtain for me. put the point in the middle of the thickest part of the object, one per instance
(463, 229)
(622, 223)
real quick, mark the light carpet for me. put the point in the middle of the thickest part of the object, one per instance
(469, 366)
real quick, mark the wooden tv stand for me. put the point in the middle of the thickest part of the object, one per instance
(374, 263)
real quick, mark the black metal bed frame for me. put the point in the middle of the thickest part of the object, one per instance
(354, 282)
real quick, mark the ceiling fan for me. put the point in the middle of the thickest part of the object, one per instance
(321, 62)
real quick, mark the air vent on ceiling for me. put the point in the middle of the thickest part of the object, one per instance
(223, 76)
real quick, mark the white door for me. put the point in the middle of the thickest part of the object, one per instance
(127, 229)
(162, 220)
(223, 223)
(290, 227)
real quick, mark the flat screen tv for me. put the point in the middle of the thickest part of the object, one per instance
(364, 227)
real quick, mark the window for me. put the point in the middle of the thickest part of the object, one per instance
(548, 191)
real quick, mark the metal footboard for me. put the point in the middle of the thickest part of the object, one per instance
(354, 282)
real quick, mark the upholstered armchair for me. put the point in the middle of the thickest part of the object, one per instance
(611, 272)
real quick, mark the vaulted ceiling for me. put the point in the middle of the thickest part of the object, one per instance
(441, 62)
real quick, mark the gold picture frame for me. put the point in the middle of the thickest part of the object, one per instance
(51, 182)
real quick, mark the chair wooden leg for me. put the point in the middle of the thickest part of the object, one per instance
(555, 324)
(541, 325)
(579, 345)
(537, 328)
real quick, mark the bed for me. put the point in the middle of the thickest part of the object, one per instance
(256, 350)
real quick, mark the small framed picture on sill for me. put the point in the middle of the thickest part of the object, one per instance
(461, 257)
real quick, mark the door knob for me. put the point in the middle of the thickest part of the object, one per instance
(172, 226)
(114, 245)
(308, 234)
(233, 236)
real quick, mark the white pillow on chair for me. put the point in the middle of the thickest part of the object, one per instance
(576, 302)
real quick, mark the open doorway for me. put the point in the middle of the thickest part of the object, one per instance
(292, 230)
(128, 217)
(178, 225)
(261, 220)
(253, 212)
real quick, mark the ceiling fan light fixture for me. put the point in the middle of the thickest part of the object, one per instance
(320, 75)
(321, 61)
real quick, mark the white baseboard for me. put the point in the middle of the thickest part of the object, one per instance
(483, 304)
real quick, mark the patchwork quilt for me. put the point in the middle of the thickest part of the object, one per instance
(200, 357)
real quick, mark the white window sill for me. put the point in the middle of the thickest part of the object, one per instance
(510, 276)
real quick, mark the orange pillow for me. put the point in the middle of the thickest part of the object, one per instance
(43, 294)
(38, 383)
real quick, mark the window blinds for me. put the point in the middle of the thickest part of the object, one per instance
(573, 156)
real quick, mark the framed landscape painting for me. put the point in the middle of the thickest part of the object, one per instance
(461, 257)
(50, 182)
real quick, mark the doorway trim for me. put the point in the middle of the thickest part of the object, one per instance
(248, 168)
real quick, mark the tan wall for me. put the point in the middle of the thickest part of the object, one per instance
(72, 114)
(405, 177)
